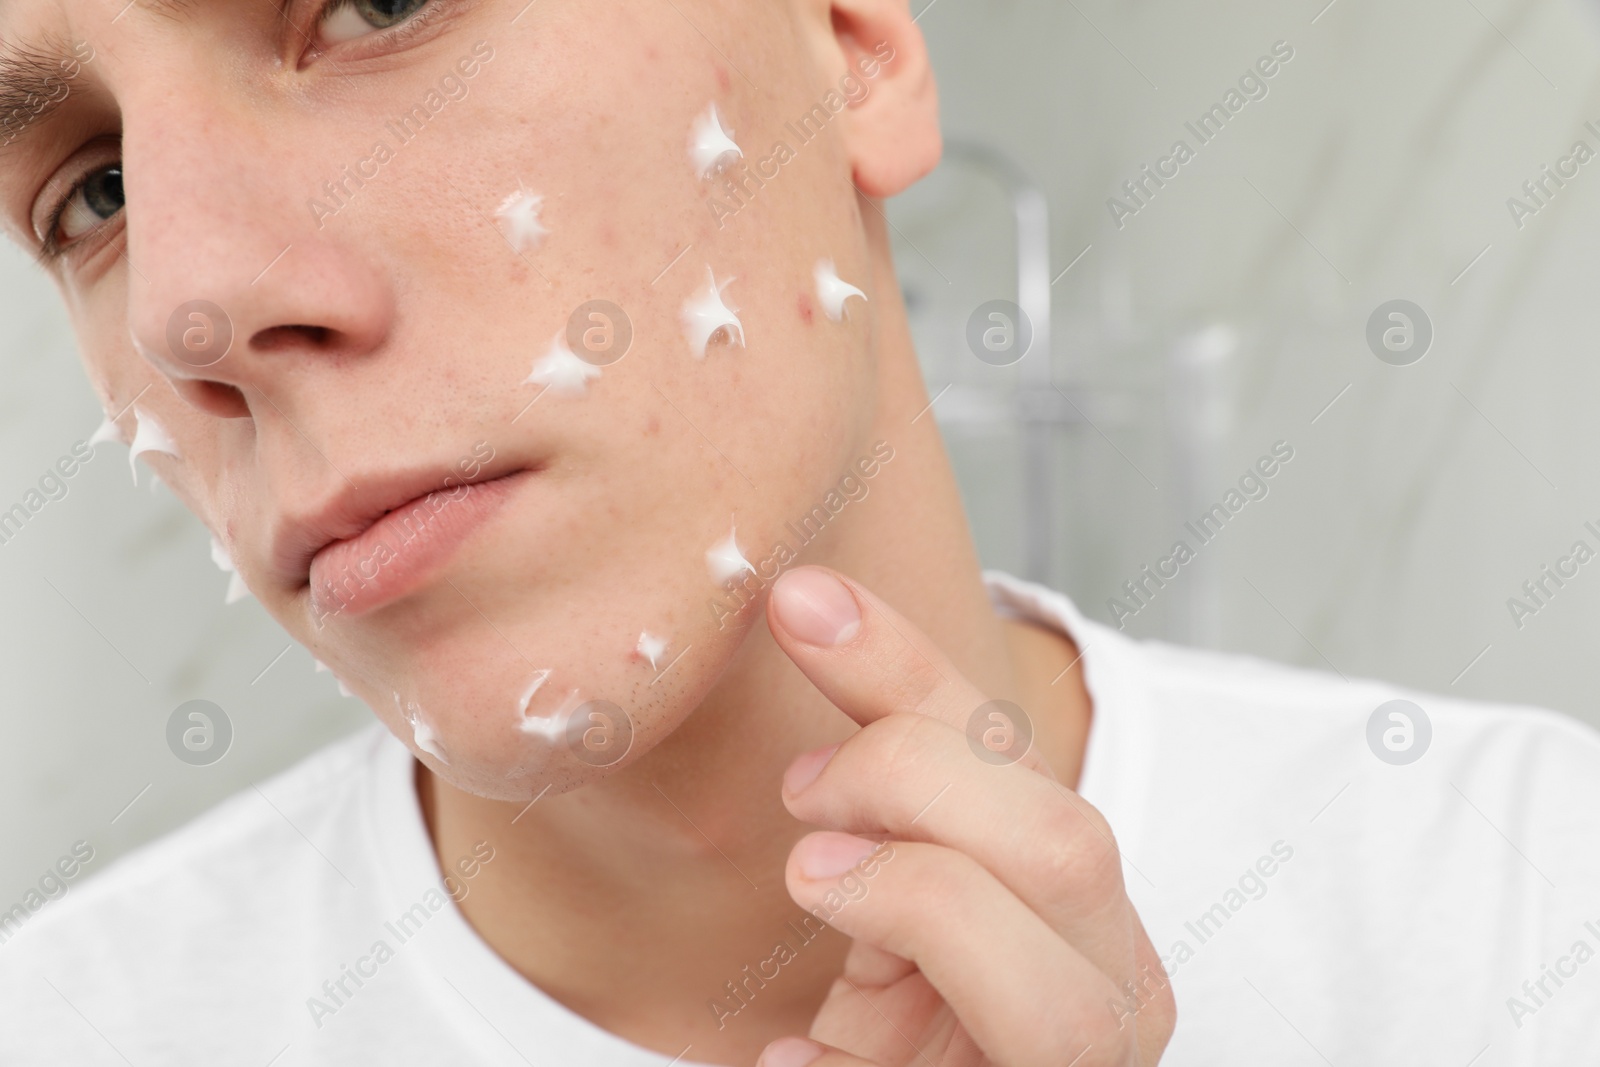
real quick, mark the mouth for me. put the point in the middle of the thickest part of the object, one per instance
(381, 539)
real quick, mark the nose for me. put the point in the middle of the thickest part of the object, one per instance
(237, 289)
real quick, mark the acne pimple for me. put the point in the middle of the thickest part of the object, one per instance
(422, 732)
(705, 314)
(237, 590)
(832, 291)
(725, 561)
(650, 646)
(806, 314)
(711, 145)
(150, 436)
(561, 370)
(518, 217)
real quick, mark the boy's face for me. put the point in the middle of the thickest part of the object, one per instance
(336, 190)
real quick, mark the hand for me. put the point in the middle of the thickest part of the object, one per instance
(989, 917)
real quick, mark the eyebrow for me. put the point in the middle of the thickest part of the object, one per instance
(31, 76)
(30, 84)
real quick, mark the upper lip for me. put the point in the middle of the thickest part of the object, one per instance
(354, 508)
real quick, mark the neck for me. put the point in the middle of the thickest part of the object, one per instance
(651, 902)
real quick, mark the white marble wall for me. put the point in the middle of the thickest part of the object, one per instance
(1230, 310)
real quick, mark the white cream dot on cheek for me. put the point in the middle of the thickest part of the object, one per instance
(650, 646)
(550, 727)
(539, 678)
(833, 291)
(150, 436)
(237, 589)
(518, 216)
(711, 145)
(106, 431)
(560, 369)
(219, 555)
(725, 561)
(422, 733)
(323, 668)
(705, 313)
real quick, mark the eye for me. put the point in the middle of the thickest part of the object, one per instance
(95, 199)
(345, 20)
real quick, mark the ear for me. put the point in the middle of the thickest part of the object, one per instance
(877, 58)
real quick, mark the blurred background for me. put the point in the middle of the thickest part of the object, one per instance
(1175, 340)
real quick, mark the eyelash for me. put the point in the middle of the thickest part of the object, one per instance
(50, 250)
(398, 32)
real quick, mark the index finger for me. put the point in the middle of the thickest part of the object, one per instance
(864, 656)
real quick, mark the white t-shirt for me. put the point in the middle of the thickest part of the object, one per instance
(1316, 904)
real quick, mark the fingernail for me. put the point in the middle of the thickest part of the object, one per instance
(815, 606)
(790, 1052)
(828, 855)
(804, 770)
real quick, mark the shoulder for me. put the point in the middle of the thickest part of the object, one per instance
(1379, 829)
(202, 878)
(1212, 688)
(1214, 731)
(1195, 754)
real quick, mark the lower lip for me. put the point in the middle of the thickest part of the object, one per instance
(398, 553)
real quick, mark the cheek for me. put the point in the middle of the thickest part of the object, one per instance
(594, 586)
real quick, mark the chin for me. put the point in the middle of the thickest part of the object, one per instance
(518, 672)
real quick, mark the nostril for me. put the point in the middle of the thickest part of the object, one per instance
(214, 398)
(285, 336)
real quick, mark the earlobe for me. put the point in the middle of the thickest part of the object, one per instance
(891, 126)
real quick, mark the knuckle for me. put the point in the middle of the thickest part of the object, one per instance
(1090, 817)
(1077, 855)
